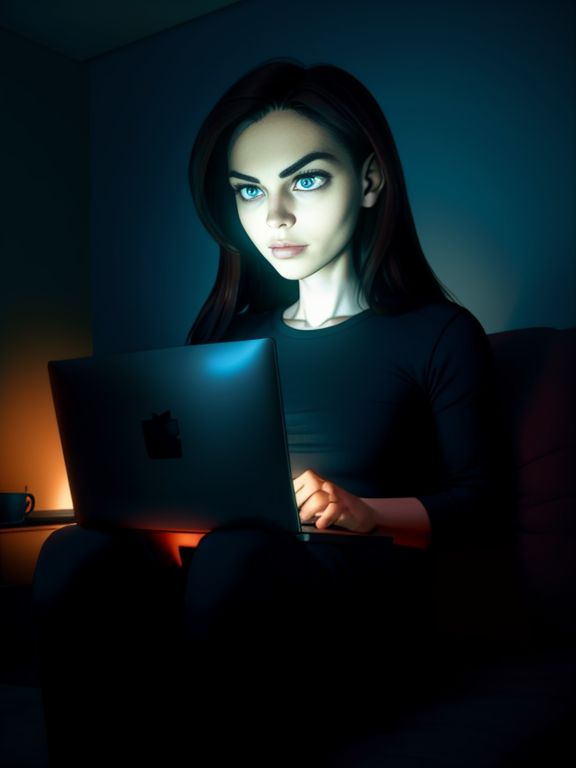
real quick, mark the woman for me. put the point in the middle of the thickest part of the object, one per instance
(386, 386)
(296, 175)
(386, 381)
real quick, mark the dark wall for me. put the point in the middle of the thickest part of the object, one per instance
(479, 95)
(44, 252)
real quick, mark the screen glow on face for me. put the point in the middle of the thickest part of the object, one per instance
(295, 186)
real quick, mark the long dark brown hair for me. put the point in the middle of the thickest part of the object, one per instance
(393, 272)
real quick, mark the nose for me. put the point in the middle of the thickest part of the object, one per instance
(279, 214)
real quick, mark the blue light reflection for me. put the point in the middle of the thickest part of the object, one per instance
(232, 357)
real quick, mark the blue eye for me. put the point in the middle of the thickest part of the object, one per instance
(248, 192)
(306, 182)
(309, 182)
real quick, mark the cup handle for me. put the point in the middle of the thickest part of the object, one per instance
(30, 502)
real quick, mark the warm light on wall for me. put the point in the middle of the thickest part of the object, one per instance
(63, 497)
(30, 451)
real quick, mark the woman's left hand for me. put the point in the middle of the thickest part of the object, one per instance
(324, 503)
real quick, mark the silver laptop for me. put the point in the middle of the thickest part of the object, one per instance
(179, 439)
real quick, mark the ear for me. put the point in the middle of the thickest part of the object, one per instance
(372, 180)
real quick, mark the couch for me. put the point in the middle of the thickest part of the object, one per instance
(502, 688)
(505, 611)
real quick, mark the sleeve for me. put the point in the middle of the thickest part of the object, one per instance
(459, 379)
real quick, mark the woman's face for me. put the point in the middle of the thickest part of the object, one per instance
(298, 194)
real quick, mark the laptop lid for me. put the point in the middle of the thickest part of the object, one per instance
(185, 438)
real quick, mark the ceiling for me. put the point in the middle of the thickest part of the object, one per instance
(82, 29)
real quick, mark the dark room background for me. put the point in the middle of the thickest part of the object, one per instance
(479, 96)
(100, 240)
(44, 254)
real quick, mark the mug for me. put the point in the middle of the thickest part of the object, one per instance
(14, 507)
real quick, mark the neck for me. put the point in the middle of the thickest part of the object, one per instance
(327, 297)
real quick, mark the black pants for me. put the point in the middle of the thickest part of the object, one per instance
(260, 639)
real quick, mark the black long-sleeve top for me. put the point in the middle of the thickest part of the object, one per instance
(391, 406)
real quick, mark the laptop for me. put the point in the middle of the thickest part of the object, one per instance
(189, 438)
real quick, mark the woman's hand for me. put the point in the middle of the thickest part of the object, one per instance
(325, 504)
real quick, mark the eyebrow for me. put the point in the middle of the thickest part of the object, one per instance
(291, 168)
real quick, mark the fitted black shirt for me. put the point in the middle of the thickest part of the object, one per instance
(390, 405)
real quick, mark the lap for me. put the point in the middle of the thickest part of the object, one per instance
(258, 609)
(123, 574)
(101, 571)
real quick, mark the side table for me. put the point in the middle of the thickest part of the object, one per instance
(20, 544)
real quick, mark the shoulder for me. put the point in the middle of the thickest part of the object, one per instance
(458, 357)
(429, 326)
(434, 342)
(453, 326)
(437, 318)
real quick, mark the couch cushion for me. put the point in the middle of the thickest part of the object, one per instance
(512, 712)
(536, 374)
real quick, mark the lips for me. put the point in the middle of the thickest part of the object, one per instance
(286, 250)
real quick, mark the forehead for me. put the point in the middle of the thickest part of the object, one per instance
(280, 138)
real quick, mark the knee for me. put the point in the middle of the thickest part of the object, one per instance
(241, 554)
(236, 567)
(69, 560)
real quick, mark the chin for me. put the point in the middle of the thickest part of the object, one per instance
(291, 270)
(293, 274)
(288, 271)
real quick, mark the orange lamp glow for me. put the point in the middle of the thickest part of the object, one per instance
(30, 451)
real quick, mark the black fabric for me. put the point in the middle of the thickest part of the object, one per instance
(261, 633)
(107, 612)
(392, 406)
(222, 659)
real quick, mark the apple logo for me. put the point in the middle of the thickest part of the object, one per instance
(162, 436)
